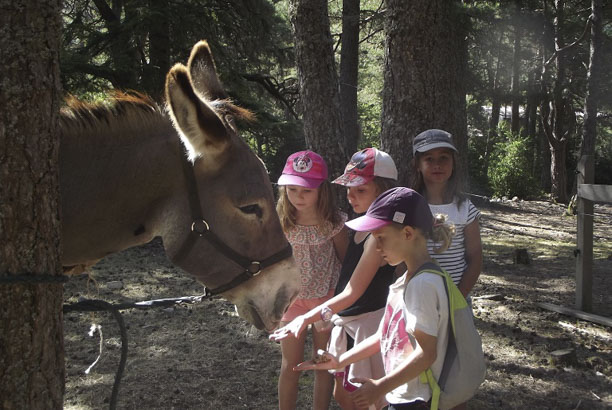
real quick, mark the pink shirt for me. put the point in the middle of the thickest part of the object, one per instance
(314, 252)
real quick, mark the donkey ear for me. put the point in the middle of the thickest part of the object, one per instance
(201, 129)
(204, 74)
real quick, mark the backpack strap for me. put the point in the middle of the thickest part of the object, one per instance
(454, 303)
(435, 388)
(456, 300)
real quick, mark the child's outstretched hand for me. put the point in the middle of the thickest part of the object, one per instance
(368, 393)
(323, 361)
(293, 328)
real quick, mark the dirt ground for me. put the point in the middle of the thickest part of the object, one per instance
(202, 356)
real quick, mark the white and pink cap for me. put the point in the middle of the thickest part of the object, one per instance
(365, 165)
(305, 168)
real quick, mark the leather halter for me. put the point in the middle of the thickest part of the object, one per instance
(201, 229)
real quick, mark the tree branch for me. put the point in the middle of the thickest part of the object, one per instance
(267, 83)
(105, 11)
(564, 49)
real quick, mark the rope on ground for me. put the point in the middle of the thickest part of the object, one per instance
(95, 305)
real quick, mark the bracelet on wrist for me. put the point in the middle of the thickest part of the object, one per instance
(326, 314)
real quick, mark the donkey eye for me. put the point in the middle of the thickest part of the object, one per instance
(252, 209)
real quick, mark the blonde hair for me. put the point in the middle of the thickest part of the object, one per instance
(441, 232)
(326, 208)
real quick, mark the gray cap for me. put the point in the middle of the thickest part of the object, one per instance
(430, 139)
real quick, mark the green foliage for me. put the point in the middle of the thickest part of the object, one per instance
(509, 171)
(131, 45)
(478, 147)
(107, 44)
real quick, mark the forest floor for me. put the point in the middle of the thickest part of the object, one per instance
(202, 356)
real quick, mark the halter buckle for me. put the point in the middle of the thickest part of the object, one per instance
(254, 268)
(200, 226)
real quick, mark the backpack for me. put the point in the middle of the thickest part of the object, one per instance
(464, 367)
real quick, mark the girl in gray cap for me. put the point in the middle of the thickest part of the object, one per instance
(434, 166)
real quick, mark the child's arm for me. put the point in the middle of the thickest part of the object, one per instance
(362, 350)
(473, 257)
(421, 359)
(363, 274)
(341, 241)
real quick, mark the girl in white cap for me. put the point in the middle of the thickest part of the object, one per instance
(357, 307)
(315, 229)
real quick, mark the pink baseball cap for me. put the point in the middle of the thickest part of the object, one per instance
(400, 205)
(365, 165)
(305, 168)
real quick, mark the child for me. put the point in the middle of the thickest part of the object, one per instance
(364, 280)
(315, 230)
(434, 164)
(413, 335)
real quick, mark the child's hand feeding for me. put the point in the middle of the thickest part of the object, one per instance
(322, 361)
(294, 328)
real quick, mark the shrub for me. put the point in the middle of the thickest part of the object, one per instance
(509, 170)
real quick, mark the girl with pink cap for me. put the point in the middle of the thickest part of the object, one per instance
(315, 229)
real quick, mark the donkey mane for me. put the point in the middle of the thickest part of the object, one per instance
(121, 115)
(128, 112)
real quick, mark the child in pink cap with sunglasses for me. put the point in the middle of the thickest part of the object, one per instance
(315, 229)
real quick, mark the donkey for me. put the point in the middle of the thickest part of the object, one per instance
(127, 176)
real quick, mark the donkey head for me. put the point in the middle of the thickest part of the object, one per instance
(230, 185)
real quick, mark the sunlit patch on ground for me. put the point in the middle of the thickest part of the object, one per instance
(204, 357)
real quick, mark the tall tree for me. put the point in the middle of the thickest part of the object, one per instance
(320, 98)
(516, 68)
(349, 68)
(556, 109)
(31, 333)
(593, 80)
(496, 92)
(118, 17)
(154, 72)
(424, 75)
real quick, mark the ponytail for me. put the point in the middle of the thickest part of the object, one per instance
(442, 233)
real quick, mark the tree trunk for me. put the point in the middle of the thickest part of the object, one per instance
(533, 100)
(425, 63)
(122, 50)
(495, 99)
(545, 155)
(593, 80)
(159, 49)
(558, 170)
(516, 71)
(31, 333)
(495, 111)
(320, 98)
(349, 67)
(555, 109)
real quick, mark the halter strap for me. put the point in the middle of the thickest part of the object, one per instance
(201, 229)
